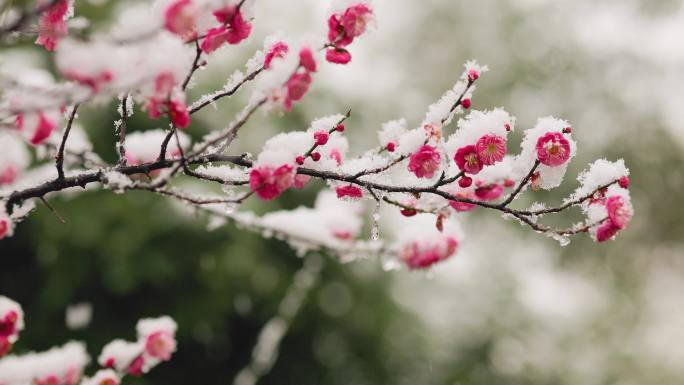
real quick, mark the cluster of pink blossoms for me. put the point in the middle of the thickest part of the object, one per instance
(181, 18)
(299, 79)
(53, 23)
(343, 28)
(11, 323)
(156, 343)
(275, 171)
(613, 207)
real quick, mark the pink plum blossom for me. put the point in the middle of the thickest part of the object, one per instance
(424, 162)
(467, 160)
(350, 191)
(36, 127)
(606, 231)
(160, 345)
(338, 56)
(301, 181)
(490, 149)
(489, 192)
(423, 254)
(297, 86)
(277, 50)
(462, 206)
(553, 149)
(321, 137)
(234, 29)
(355, 20)
(307, 60)
(268, 182)
(619, 212)
(180, 18)
(52, 26)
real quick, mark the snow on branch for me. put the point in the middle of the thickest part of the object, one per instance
(429, 174)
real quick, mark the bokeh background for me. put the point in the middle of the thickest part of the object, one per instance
(513, 307)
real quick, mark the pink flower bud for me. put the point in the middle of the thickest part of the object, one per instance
(307, 60)
(473, 75)
(338, 56)
(316, 156)
(391, 146)
(624, 182)
(465, 181)
(340, 127)
(466, 103)
(299, 159)
(321, 137)
(136, 367)
(509, 183)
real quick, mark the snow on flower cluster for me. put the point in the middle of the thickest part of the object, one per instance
(156, 343)
(11, 323)
(481, 140)
(611, 204)
(65, 365)
(349, 20)
(289, 70)
(332, 222)
(549, 143)
(420, 244)
(321, 146)
(62, 365)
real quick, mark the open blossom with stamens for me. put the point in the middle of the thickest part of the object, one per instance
(490, 149)
(37, 127)
(553, 149)
(424, 162)
(53, 26)
(467, 160)
(181, 18)
(233, 29)
(268, 182)
(164, 100)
